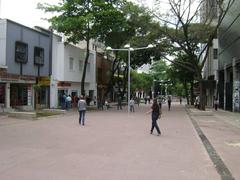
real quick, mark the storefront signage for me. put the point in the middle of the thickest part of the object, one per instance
(63, 84)
(44, 81)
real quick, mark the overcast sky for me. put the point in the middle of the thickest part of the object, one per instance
(25, 12)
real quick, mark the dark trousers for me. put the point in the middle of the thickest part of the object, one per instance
(155, 125)
(119, 105)
(216, 107)
(82, 117)
(132, 108)
(169, 105)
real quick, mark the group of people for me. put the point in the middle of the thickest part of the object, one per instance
(215, 102)
(155, 111)
(66, 101)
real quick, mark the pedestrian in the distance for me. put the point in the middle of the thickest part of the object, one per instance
(69, 101)
(169, 102)
(119, 103)
(82, 110)
(216, 102)
(132, 105)
(156, 113)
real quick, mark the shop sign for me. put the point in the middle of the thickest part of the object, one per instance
(44, 81)
(63, 84)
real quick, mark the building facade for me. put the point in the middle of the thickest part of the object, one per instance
(24, 58)
(209, 15)
(229, 60)
(68, 62)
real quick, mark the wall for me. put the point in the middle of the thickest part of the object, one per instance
(229, 36)
(3, 38)
(17, 32)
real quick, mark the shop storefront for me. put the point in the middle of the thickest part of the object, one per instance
(43, 94)
(20, 95)
(2, 93)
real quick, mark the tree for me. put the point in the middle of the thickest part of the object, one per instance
(141, 81)
(84, 20)
(191, 34)
(180, 75)
(137, 24)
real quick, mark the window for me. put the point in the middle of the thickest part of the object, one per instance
(71, 63)
(21, 52)
(38, 56)
(80, 65)
(88, 67)
(215, 53)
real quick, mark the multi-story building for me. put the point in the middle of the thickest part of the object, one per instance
(229, 60)
(24, 58)
(209, 16)
(68, 62)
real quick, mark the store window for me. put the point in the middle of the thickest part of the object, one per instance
(18, 95)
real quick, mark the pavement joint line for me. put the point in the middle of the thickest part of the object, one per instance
(221, 168)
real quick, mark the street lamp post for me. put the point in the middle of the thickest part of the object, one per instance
(128, 48)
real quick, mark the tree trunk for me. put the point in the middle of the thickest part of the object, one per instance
(192, 93)
(84, 69)
(111, 81)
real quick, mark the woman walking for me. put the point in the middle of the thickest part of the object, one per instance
(81, 110)
(155, 115)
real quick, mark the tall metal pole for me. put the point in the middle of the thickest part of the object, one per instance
(0, 8)
(129, 57)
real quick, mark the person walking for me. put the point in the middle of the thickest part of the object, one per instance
(216, 102)
(119, 104)
(169, 102)
(63, 101)
(82, 110)
(69, 101)
(132, 105)
(156, 113)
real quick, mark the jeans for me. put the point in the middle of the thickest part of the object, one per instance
(132, 108)
(82, 117)
(154, 124)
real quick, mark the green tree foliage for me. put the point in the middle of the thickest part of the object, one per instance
(159, 70)
(82, 20)
(137, 25)
(141, 81)
(191, 35)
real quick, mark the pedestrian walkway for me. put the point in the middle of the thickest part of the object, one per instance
(223, 132)
(113, 145)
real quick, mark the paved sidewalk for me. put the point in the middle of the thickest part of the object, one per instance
(113, 145)
(223, 132)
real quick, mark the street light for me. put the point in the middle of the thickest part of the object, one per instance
(128, 48)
